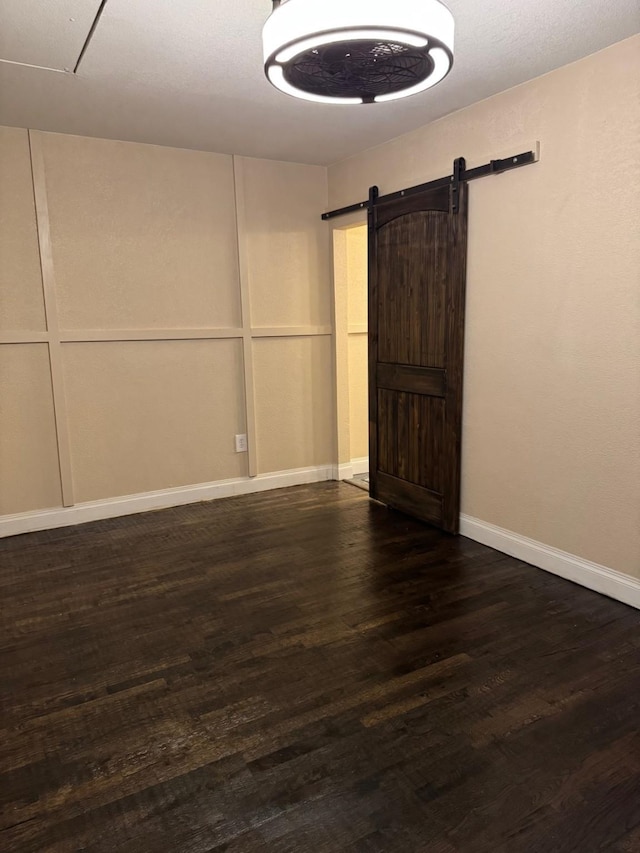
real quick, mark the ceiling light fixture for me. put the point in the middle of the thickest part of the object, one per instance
(357, 51)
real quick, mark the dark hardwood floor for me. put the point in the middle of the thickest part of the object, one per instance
(306, 671)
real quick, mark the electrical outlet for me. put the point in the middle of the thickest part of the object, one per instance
(241, 444)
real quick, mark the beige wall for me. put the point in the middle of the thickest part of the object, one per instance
(142, 236)
(341, 343)
(294, 402)
(147, 415)
(350, 341)
(357, 341)
(551, 446)
(187, 300)
(29, 474)
(288, 250)
(288, 279)
(21, 300)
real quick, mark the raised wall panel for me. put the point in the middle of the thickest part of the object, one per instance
(143, 236)
(21, 301)
(153, 415)
(287, 243)
(29, 473)
(294, 402)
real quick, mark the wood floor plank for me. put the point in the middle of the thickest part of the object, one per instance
(304, 670)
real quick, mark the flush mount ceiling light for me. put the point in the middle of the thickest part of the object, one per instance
(357, 51)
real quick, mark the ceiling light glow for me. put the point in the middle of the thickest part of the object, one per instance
(276, 76)
(349, 36)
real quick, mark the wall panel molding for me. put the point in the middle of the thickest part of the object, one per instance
(291, 331)
(51, 314)
(105, 335)
(24, 337)
(245, 311)
(85, 336)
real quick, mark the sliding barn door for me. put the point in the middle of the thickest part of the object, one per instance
(417, 271)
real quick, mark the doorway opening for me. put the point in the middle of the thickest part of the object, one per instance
(351, 353)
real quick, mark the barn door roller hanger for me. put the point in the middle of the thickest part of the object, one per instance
(460, 174)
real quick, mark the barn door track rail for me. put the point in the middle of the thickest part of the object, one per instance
(460, 174)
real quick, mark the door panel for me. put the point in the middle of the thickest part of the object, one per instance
(403, 299)
(406, 450)
(417, 271)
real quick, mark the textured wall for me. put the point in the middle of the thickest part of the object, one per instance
(288, 276)
(21, 302)
(146, 415)
(29, 475)
(143, 236)
(551, 446)
(152, 360)
(294, 402)
(350, 340)
(358, 342)
(287, 243)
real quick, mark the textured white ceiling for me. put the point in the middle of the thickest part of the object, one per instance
(189, 73)
(49, 34)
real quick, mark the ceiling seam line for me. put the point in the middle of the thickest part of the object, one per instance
(87, 42)
(31, 65)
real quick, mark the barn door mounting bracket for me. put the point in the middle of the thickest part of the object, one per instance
(457, 178)
(460, 174)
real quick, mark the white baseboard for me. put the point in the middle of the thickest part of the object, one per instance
(348, 470)
(27, 522)
(360, 466)
(343, 471)
(599, 578)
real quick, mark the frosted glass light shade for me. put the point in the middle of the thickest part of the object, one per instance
(357, 51)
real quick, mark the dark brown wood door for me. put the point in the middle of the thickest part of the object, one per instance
(417, 274)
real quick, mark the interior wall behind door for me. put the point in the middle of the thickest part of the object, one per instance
(357, 341)
(350, 339)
